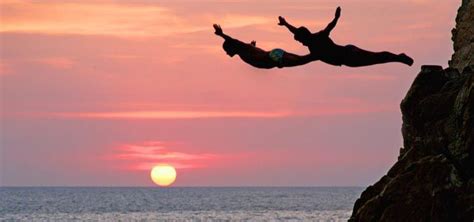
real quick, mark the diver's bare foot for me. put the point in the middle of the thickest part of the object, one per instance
(406, 59)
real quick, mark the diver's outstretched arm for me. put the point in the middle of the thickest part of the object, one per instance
(219, 32)
(283, 22)
(333, 23)
(290, 60)
(236, 42)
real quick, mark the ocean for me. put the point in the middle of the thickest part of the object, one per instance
(177, 203)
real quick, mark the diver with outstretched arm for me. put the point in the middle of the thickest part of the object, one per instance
(323, 48)
(258, 57)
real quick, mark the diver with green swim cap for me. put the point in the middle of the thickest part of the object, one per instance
(258, 57)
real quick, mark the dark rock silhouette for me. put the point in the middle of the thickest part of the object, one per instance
(463, 37)
(433, 179)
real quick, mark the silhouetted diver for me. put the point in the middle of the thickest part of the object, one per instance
(324, 49)
(258, 57)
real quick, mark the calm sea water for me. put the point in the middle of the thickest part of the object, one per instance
(178, 204)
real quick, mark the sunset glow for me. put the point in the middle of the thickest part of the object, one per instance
(109, 89)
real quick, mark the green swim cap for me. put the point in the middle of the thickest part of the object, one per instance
(277, 55)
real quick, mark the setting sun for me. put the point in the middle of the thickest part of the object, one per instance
(163, 175)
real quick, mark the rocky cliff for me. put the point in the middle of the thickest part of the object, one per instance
(433, 179)
(463, 37)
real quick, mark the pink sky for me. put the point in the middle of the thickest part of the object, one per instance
(97, 92)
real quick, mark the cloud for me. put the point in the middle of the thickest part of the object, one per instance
(56, 62)
(235, 21)
(419, 1)
(4, 68)
(109, 18)
(145, 155)
(171, 115)
(321, 109)
(363, 76)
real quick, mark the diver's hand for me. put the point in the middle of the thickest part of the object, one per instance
(282, 21)
(338, 12)
(218, 29)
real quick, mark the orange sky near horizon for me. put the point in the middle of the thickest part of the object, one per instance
(108, 88)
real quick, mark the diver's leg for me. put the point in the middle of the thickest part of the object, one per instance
(356, 57)
(406, 59)
(384, 57)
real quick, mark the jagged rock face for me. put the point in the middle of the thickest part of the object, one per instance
(463, 37)
(433, 179)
